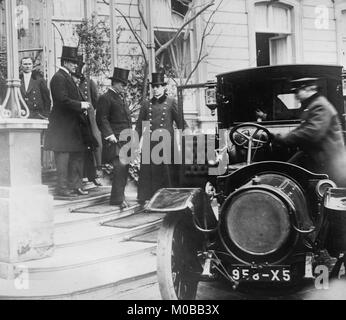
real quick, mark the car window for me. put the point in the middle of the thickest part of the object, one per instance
(286, 107)
(289, 100)
(271, 98)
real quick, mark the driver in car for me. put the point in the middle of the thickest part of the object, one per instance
(319, 136)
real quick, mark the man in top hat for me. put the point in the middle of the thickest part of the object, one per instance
(34, 90)
(88, 91)
(160, 112)
(113, 116)
(64, 134)
(319, 136)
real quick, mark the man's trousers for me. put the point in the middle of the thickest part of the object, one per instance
(119, 182)
(70, 167)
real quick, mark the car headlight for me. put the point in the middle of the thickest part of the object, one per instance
(258, 222)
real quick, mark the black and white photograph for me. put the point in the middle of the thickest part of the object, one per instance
(182, 150)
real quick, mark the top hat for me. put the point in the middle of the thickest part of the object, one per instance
(121, 75)
(302, 83)
(158, 78)
(70, 54)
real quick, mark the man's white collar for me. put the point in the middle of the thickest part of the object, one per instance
(63, 68)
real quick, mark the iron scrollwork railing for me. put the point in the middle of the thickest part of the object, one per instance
(14, 105)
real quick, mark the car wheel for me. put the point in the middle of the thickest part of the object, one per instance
(178, 266)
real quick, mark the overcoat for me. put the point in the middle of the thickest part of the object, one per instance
(320, 136)
(64, 132)
(88, 91)
(37, 97)
(161, 114)
(112, 116)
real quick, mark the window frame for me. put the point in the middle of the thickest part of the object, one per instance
(182, 5)
(296, 26)
(172, 30)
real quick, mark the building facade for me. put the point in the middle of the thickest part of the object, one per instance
(229, 35)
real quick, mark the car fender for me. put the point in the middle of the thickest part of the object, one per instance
(193, 201)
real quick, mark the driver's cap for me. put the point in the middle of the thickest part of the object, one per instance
(302, 83)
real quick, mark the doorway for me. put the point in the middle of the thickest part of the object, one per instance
(273, 49)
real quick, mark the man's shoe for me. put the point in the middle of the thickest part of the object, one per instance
(122, 205)
(97, 182)
(81, 192)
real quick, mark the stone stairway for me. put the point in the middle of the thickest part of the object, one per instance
(90, 261)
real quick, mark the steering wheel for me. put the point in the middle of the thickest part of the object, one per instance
(246, 139)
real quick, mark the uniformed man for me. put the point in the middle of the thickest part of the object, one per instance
(113, 116)
(161, 112)
(34, 90)
(319, 136)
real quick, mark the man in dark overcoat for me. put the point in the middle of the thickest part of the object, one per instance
(34, 90)
(64, 134)
(113, 116)
(161, 112)
(88, 91)
(319, 135)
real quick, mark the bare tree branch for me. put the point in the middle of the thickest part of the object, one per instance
(141, 15)
(133, 31)
(171, 41)
(60, 34)
(204, 36)
(138, 38)
(190, 16)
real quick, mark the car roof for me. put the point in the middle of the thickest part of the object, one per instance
(284, 72)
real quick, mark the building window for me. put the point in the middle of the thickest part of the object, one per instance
(176, 59)
(273, 34)
(180, 6)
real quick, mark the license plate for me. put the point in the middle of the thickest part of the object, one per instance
(263, 274)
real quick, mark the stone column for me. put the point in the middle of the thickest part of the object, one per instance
(113, 25)
(26, 208)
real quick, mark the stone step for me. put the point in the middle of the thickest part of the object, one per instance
(68, 218)
(74, 259)
(76, 235)
(94, 281)
(102, 196)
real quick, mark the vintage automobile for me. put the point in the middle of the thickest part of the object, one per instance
(265, 224)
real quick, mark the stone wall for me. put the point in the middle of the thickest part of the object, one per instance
(229, 45)
(319, 32)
